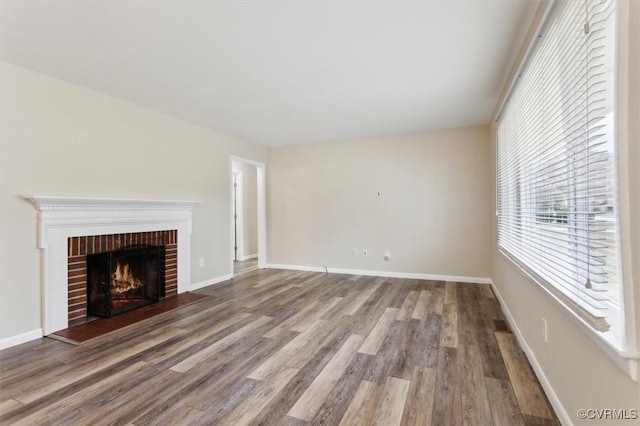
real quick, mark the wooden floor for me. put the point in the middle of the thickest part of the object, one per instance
(289, 348)
(242, 266)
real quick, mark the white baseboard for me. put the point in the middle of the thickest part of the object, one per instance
(248, 257)
(562, 414)
(212, 281)
(21, 338)
(386, 274)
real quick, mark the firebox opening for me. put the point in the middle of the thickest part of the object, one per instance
(122, 280)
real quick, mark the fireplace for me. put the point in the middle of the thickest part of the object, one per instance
(122, 280)
(72, 228)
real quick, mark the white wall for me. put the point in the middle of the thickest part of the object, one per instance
(579, 372)
(61, 139)
(433, 214)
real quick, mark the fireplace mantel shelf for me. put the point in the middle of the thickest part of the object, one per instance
(49, 202)
(60, 218)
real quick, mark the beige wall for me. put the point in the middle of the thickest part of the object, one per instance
(61, 139)
(433, 214)
(580, 373)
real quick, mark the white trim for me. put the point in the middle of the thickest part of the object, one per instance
(62, 217)
(246, 161)
(625, 117)
(386, 274)
(562, 414)
(238, 199)
(232, 254)
(212, 281)
(248, 257)
(54, 202)
(262, 209)
(262, 216)
(21, 338)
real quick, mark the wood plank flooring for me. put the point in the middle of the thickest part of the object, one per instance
(242, 266)
(289, 348)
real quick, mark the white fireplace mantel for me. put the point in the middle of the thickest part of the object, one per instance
(60, 218)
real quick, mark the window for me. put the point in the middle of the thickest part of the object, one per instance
(556, 164)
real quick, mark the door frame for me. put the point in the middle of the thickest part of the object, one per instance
(238, 222)
(262, 208)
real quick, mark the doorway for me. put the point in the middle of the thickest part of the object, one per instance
(248, 233)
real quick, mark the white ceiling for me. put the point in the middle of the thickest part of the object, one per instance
(285, 72)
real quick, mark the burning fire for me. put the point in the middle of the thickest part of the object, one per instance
(123, 279)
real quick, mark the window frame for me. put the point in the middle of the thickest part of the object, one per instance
(624, 352)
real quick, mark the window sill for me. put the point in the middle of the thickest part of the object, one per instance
(624, 358)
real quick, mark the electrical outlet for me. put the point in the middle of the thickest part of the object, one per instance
(354, 252)
(365, 252)
(545, 334)
(201, 261)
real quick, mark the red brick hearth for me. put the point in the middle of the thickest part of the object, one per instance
(80, 247)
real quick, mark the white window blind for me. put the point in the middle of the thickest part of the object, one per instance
(556, 162)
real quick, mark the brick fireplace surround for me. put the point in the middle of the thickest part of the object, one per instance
(69, 226)
(80, 247)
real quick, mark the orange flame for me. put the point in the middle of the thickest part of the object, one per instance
(123, 279)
